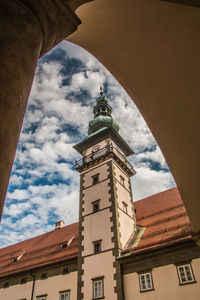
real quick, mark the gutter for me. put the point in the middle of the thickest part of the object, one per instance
(143, 251)
(33, 285)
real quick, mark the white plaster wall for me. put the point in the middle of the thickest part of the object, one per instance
(96, 192)
(118, 173)
(166, 285)
(101, 145)
(97, 227)
(95, 266)
(123, 193)
(124, 196)
(127, 226)
(51, 286)
(103, 174)
(16, 292)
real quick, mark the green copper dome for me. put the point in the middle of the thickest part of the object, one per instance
(102, 115)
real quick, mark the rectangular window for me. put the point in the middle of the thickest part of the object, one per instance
(44, 276)
(65, 295)
(146, 283)
(185, 274)
(98, 291)
(122, 180)
(23, 280)
(125, 207)
(65, 270)
(97, 246)
(42, 297)
(96, 206)
(95, 179)
(6, 285)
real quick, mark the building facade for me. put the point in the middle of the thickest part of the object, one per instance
(118, 250)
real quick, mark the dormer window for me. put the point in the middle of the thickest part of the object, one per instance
(66, 243)
(16, 258)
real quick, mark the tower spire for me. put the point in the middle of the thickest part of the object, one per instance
(101, 89)
(102, 114)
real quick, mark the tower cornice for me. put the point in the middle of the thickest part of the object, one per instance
(100, 135)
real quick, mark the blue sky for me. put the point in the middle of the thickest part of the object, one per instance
(44, 187)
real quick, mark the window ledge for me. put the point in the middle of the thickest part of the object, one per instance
(191, 282)
(147, 290)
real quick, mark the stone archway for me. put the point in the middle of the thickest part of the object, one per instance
(151, 47)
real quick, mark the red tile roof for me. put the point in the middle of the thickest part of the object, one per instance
(162, 217)
(40, 251)
(164, 220)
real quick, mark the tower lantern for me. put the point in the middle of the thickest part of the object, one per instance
(106, 219)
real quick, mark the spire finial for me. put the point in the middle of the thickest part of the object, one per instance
(101, 89)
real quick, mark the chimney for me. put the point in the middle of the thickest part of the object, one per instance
(59, 224)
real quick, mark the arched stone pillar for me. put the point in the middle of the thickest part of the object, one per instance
(28, 30)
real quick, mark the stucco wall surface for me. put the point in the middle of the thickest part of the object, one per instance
(53, 285)
(97, 266)
(166, 285)
(50, 286)
(16, 292)
(101, 170)
(97, 227)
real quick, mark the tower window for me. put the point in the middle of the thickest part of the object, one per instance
(97, 246)
(96, 206)
(125, 207)
(122, 180)
(95, 179)
(98, 290)
(185, 274)
(146, 283)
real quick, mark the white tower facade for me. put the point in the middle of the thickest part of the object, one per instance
(107, 217)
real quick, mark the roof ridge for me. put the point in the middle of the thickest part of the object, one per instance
(159, 193)
(36, 237)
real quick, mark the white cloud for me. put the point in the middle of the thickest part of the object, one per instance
(18, 195)
(44, 187)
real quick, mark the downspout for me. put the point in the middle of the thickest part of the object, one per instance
(33, 285)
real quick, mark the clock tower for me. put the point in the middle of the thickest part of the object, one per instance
(107, 216)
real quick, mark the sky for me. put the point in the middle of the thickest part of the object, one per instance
(44, 187)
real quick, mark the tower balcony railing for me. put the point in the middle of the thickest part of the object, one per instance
(102, 152)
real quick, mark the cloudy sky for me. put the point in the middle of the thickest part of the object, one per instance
(44, 187)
